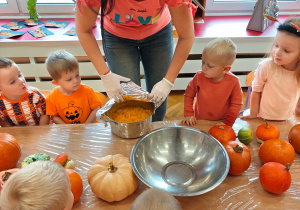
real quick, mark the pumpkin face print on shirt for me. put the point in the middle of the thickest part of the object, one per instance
(73, 113)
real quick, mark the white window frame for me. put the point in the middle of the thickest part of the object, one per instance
(66, 9)
(212, 8)
(11, 7)
(246, 8)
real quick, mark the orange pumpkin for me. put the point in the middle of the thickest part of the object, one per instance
(4, 175)
(239, 156)
(275, 177)
(266, 131)
(76, 184)
(111, 178)
(222, 133)
(294, 137)
(277, 150)
(10, 151)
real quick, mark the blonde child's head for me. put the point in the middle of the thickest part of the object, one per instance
(222, 48)
(155, 199)
(60, 62)
(286, 48)
(40, 185)
(217, 58)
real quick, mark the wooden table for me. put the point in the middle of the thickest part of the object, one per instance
(85, 143)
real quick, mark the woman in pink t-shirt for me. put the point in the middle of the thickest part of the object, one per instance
(134, 31)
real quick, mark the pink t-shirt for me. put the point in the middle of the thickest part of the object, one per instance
(279, 88)
(132, 19)
(215, 100)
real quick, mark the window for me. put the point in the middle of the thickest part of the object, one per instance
(241, 7)
(8, 6)
(213, 7)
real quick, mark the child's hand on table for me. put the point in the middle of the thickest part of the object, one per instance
(248, 116)
(190, 121)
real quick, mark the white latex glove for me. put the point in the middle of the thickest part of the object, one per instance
(160, 91)
(111, 83)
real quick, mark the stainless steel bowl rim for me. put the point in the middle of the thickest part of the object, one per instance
(189, 128)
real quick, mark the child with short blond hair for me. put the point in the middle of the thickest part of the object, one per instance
(155, 199)
(20, 104)
(39, 185)
(218, 92)
(71, 102)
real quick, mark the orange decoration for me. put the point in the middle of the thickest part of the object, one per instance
(294, 137)
(10, 151)
(277, 150)
(295, 26)
(76, 184)
(266, 131)
(275, 177)
(222, 133)
(271, 18)
(4, 175)
(239, 156)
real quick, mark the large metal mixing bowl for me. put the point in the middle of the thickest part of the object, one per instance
(181, 160)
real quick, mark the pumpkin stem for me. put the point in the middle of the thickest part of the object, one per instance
(6, 175)
(288, 167)
(238, 148)
(267, 125)
(112, 168)
(221, 127)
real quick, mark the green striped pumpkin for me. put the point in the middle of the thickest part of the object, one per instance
(245, 135)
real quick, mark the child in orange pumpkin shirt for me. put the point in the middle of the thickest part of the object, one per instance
(71, 102)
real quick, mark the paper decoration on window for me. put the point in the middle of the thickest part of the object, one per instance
(56, 24)
(6, 34)
(31, 22)
(40, 32)
(258, 21)
(14, 25)
(71, 32)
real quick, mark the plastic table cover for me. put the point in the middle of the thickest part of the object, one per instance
(84, 143)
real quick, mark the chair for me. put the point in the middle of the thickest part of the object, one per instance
(45, 92)
(248, 82)
(101, 97)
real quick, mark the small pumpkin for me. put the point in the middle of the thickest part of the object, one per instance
(266, 131)
(35, 157)
(277, 150)
(10, 151)
(111, 178)
(222, 133)
(239, 156)
(275, 177)
(76, 184)
(4, 176)
(294, 137)
(245, 135)
(63, 159)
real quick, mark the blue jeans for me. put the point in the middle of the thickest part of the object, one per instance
(123, 57)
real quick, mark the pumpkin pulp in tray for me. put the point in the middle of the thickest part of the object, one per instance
(130, 111)
(130, 114)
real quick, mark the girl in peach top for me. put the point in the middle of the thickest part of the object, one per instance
(276, 89)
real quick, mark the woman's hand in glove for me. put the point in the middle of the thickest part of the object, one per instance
(111, 83)
(160, 91)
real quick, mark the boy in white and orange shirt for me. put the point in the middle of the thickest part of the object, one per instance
(218, 92)
(20, 105)
(71, 102)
